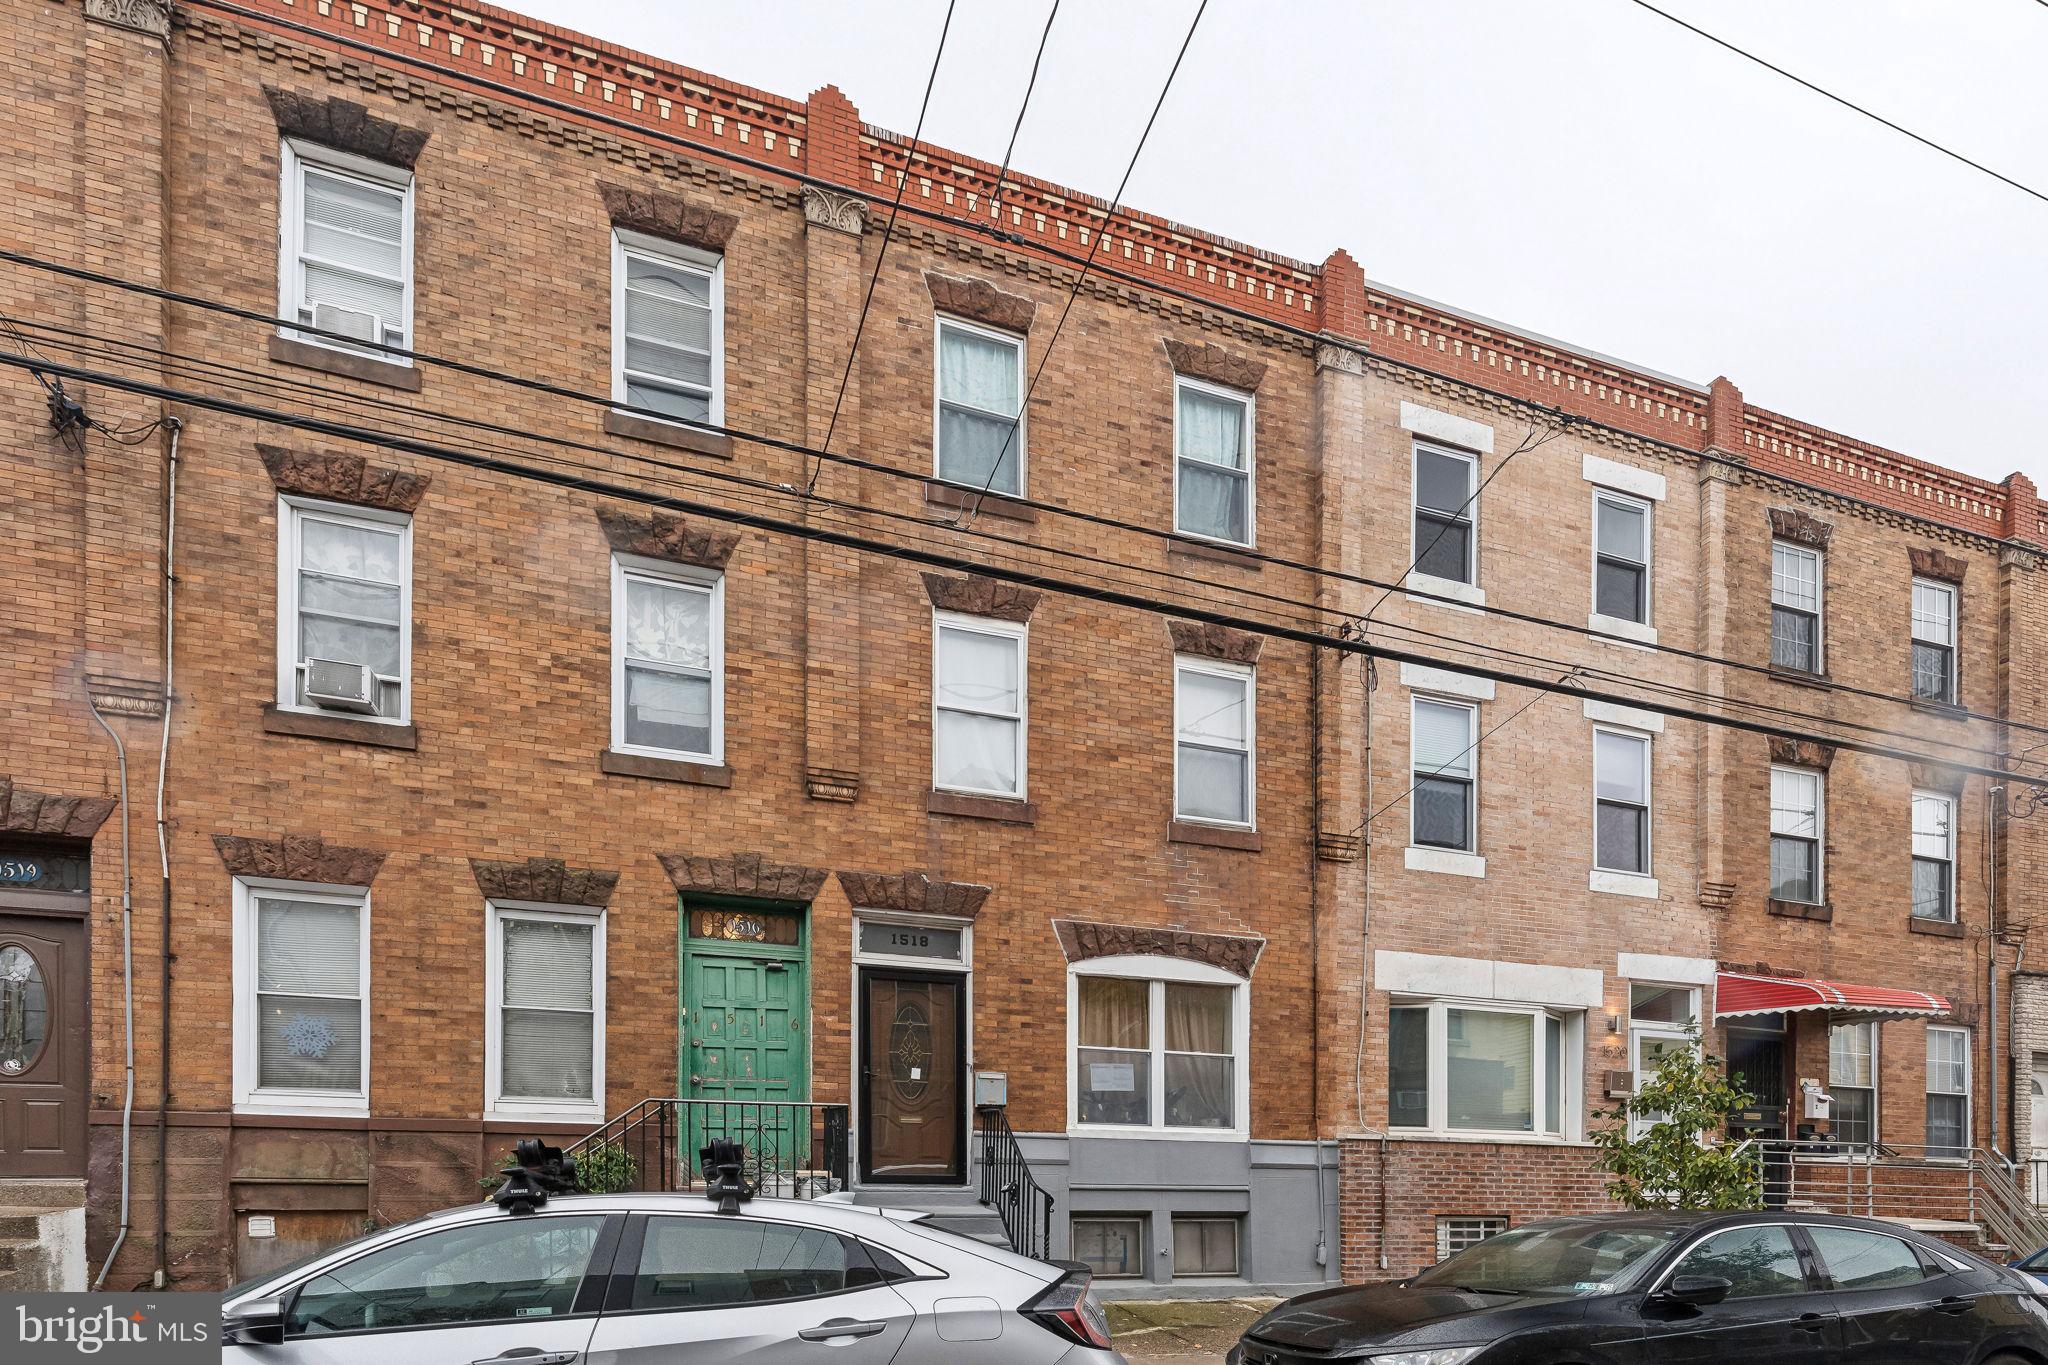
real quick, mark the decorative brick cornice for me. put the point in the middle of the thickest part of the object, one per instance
(831, 209)
(343, 478)
(1215, 364)
(667, 216)
(978, 596)
(980, 301)
(23, 810)
(912, 891)
(666, 537)
(1933, 562)
(1801, 527)
(345, 126)
(1936, 777)
(546, 881)
(1234, 953)
(742, 874)
(299, 858)
(1214, 642)
(1802, 753)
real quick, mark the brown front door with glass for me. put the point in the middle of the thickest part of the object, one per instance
(913, 1073)
(43, 1063)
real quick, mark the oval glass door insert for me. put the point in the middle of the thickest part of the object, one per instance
(24, 1010)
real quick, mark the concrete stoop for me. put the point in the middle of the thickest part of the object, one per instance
(955, 1211)
(42, 1235)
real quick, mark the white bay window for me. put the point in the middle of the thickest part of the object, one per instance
(302, 1003)
(668, 660)
(1158, 1044)
(544, 1015)
(978, 705)
(1483, 1068)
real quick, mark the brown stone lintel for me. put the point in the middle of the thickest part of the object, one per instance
(336, 477)
(954, 497)
(664, 769)
(979, 596)
(1213, 363)
(665, 537)
(742, 874)
(299, 858)
(980, 301)
(346, 729)
(831, 784)
(674, 435)
(668, 216)
(912, 891)
(345, 126)
(1081, 940)
(1935, 562)
(1823, 913)
(1213, 836)
(1211, 641)
(1801, 527)
(1940, 928)
(26, 811)
(348, 364)
(1210, 552)
(997, 808)
(1936, 777)
(1802, 753)
(546, 881)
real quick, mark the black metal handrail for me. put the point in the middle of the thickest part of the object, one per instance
(793, 1151)
(1008, 1187)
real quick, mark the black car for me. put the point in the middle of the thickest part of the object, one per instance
(1676, 1289)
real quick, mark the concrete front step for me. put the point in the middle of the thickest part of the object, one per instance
(42, 1235)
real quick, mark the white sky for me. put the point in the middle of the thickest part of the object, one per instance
(1580, 168)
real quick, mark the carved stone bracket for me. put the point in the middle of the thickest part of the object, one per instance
(668, 216)
(978, 596)
(1211, 362)
(831, 784)
(980, 301)
(1801, 527)
(1936, 777)
(1343, 359)
(1214, 642)
(832, 209)
(152, 17)
(345, 126)
(1934, 562)
(1234, 953)
(742, 874)
(912, 891)
(343, 478)
(545, 881)
(666, 537)
(1717, 895)
(1802, 753)
(24, 810)
(299, 858)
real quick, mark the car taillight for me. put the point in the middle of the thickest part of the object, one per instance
(1068, 1308)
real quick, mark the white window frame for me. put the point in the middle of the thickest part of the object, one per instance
(1018, 631)
(1019, 444)
(496, 1103)
(960, 965)
(1456, 1232)
(250, 1097)
(627, 567)
(1649, 751)
(1969, 1090)
(1249, 402)
(628, 243)
(295, 155)
(1954, 809)
(1820, 598)
(1624, 625)
(1249, 675)
(1820, 833)
(1572, 1049)
(1669, 1033)
(1419, 577)
(1471, 710)
(1876, 1086)
(291, 510)
(1158, 971)
(1954, 642)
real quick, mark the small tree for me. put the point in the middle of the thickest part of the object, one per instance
(1661, 1147)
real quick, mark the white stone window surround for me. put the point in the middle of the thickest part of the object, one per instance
(1142, 967)
(1647, 725)
(1624, 486)
(1473, 439)
(250, 1096)
(496, 1103)
(1473, 978)
(1568, 1084)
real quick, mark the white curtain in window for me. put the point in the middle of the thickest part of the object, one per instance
(349, 593)
(1618, 769)
(978, 718)
(978, 402)
(549, 1022)
(668, 623)
(1851, 1052)
(1948, 1064)
(1934, 614)
(1795, 578)
(1213, 484)
(1795, 803)
(1931, 827)
(1214, 746)
(1491, 1080)
(308, 995)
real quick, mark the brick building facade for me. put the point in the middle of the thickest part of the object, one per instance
(1163, 876)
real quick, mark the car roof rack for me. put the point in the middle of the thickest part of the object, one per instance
(537, 1170)
(725, 1177)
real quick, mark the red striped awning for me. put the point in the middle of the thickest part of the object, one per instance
(1737, 994)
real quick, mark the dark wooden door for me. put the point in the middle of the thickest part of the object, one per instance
(913, 1070)
(43, 1041)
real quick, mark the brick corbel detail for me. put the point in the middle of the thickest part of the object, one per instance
(980, 301)
(978, 596)
(345, 126)
(1936, 777)
(299, 858)
(343, 478)
(667, 216)
(24, 810)
(546, 881)
(742, 874)
(1802, 753)
(1934, 562)
(1801, 527)
(912, 891)
(1233, 953)
(666, 537)
(1214, 642)
(1211, 362)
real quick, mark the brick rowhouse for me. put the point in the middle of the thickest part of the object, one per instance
(1275, 1045)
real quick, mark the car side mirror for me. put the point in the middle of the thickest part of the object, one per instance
(1696, 1291)
(255, 1322)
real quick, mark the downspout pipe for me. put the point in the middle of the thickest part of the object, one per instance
(163, 853)
(127, 989)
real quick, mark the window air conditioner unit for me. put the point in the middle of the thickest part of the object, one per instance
(352, 323)
(336, 686)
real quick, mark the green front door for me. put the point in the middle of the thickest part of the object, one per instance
(745, 1048)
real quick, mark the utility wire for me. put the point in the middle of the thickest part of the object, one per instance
(995, 201)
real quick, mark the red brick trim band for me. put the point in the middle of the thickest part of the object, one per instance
(742, 874)
(667, 216)
(1801, 527)
(1215, 364)
(669, 538)
(343, 478)
(1802, 753)
(1214, 642)
(912, 891)
(24, 810)
(1934, 562)
(1237, 954)
(978, 596)
(980, 301)
(547, 881)
(299, 858)
(345, 126)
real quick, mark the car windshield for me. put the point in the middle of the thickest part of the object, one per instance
(1552, 1258)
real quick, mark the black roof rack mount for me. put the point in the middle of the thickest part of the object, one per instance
(725, 1177)
(537, 1170)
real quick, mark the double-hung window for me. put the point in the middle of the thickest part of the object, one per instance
(1473, 1068)
(1443, 755)
(668, 660)
(345, 259)
(980, 438)
(668, 313)
(345, 604)
(1212, 448)
(1948, 1092)
(1795, 607)
(544, 1020)
(1621, 802)
(302, 1000)
(1621, 557)
(1934, 856)
(1446, 513)
(1796, 826)
(1852, 1082)
(1159, 1044)
(1934, 641)
(1213, 742)
(978, 705)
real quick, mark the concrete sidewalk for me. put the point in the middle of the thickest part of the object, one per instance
(1181, 1331)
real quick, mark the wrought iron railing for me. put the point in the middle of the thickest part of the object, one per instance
(1008, 1187)
(793, 1151)
(1940, 1184)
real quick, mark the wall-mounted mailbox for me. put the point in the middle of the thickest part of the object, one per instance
(991, 1089)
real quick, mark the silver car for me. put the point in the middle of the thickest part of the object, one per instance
(666, 1279)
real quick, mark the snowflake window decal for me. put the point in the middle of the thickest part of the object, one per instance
(308, 1036)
